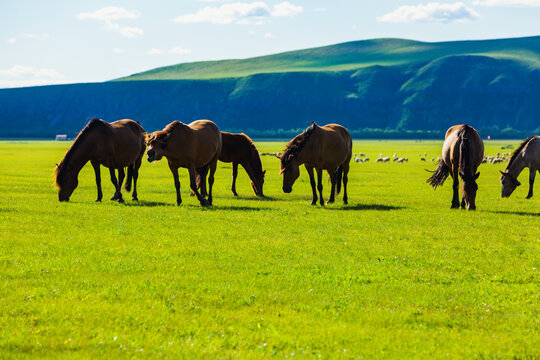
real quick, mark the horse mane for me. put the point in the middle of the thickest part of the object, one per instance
(465, 160)
(60, 171)
(296, 145)
(515, 154)
(254, 152)
(166, 131)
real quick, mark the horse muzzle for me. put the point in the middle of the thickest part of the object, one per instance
(287, 189)
(151, 155)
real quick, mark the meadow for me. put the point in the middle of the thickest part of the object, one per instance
(394, 274)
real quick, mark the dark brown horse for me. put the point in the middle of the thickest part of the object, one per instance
(115, 145)
(526, 155)
(195, 146)
(462, 153)
(327, 148)
(239, 149)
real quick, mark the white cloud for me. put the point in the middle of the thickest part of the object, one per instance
(155, 51)
(20, 71)
(109, 15)
(117, 51)
(12, 40)
(19, 75)
(268, 35)
(240, 13)
(286, 9)
(431, 12)
(528, 3)
(179, 50)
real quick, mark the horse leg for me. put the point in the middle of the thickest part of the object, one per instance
(319, 185)
(136, 168)
(312, 182)
(455, 187)
(121, 176)
(213, 167)
(532, 174)
(193, 185)
(333, 176)
(234, 175)
(97, 172)
(345, 181)
(115, 183)
(174, 171)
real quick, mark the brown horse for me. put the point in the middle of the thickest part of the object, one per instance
(327, 148)
(115, 145)
(462, 153)
(526, 155)
(239, 149)
(195, 146)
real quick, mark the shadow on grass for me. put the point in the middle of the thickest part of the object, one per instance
(148, 203)
(258, 198)
(520, 213)
(358, 207)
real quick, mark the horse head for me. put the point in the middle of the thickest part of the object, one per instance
(469, 189)
(290, 171)
(66, 181)
(509, 184)
(157, 144)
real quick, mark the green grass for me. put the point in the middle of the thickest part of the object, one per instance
(395, 274)
(349, 56)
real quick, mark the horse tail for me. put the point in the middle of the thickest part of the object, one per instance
(339, 175)
(127, 186)
(439, 175)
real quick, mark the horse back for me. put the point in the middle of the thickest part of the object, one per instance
(336, 145)
(452, 145)
(127, 141)
(531, 152)
(235, 147)
(207, 141)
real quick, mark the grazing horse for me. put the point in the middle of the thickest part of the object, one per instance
(239, 149)
(462, 153)
(326, 147)
(195, 146)
(526, 155)
(113, 145)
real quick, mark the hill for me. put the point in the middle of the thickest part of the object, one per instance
(376, 88)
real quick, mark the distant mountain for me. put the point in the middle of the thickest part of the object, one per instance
(376, 88)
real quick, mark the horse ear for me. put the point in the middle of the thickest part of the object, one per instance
(56, 165)
(477, 175)
(502, 173)
(264, 172)
(518, 183)
(461, 174)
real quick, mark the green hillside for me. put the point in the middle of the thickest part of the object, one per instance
(349, 56)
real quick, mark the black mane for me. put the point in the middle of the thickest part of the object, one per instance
(61, 168)
(296, 145)
(465, 160)
(515, 154)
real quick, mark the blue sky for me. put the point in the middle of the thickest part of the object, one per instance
(49, 42)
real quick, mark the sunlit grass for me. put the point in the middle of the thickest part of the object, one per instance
(394, 274)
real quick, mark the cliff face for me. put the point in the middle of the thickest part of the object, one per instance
(432, 95)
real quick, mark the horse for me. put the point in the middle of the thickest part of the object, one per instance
(114, 145)
(239, 149)
(195, 146)
(327, 148)
(462, 153)
(526, 155)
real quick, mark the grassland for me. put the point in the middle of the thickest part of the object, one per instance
(395, 274)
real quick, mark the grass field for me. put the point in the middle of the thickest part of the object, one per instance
(395, 274)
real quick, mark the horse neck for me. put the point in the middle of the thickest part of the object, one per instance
(517, 166)
(79, 155)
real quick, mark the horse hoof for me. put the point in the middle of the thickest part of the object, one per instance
(121, 201)
(134, 199)
(98, 200)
